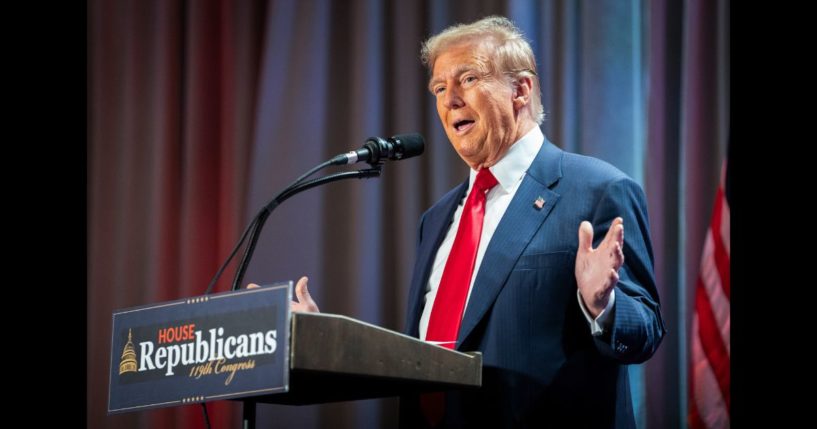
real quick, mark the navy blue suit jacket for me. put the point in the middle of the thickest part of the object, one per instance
(541, 365)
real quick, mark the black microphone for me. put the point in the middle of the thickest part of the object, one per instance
(376, 149)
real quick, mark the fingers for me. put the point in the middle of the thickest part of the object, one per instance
(616, 232)
(301, 291)
(305, 302)
(614, 235)
(619, 231)
(612, 245)
(617, 256)
(585, 236)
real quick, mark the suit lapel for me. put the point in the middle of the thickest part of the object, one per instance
(516, 229)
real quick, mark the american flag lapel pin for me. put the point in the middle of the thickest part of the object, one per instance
(539, 203)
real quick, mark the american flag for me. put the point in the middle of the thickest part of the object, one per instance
(709, 405)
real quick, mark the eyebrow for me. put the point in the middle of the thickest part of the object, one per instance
(457, 71)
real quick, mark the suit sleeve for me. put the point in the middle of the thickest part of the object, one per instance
(637, 326)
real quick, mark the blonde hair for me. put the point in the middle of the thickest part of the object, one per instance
(513, 55)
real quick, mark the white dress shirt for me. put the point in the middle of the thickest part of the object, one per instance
(509, 172)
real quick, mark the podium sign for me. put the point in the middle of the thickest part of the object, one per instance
(220, 346)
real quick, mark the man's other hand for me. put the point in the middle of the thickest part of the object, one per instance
(304, 304)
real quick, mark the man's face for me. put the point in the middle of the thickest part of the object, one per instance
(476, 108)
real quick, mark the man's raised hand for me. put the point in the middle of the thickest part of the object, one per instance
(597, 269)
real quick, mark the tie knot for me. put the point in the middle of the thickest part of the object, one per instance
(485, 180)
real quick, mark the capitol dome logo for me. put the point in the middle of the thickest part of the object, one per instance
(128, 361)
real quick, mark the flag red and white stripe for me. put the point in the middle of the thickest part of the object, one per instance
(709, 405)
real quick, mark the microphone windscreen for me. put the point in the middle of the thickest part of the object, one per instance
(411, 144)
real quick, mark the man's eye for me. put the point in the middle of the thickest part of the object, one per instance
(439, 90)
(469, 79)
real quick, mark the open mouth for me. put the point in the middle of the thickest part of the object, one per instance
(463, 125)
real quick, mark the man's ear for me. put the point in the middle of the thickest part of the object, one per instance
(522, 88)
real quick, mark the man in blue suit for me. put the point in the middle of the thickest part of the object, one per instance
(500, 267)
(557, 315)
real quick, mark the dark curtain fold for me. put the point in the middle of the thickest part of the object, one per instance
(171, 108)
(200, 111)
(688, 119)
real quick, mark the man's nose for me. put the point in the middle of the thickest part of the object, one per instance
(452, 98)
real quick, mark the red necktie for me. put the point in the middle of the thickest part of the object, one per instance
(446, 315)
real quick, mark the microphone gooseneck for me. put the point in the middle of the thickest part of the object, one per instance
(375, 151)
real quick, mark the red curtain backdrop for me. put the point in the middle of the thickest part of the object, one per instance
(171, 101)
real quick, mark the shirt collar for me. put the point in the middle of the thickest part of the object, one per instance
(512, 167)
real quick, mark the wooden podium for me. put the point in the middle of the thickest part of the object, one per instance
(336, 358)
